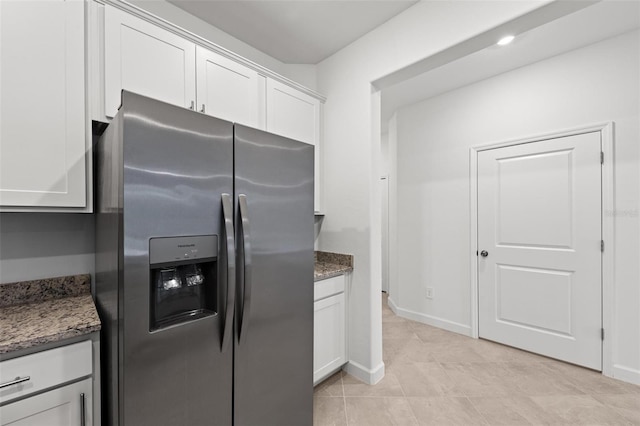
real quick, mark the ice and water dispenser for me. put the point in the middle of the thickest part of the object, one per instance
(183, 273)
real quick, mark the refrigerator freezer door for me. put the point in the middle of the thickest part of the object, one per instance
(177, 165)
(273, 379)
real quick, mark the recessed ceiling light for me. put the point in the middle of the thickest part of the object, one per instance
(506, 40)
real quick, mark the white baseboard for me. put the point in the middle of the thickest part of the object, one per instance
(430, 320)
(360, 372)
(626, 374)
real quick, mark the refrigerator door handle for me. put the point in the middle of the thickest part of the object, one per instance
(227, 215)
(246, 267)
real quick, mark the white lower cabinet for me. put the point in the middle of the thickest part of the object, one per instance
(48, 388)
(329, 327)
(69, 405)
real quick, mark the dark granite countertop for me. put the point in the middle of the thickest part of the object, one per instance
(39, 312)
(329, 265)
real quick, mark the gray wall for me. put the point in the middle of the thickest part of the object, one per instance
(45, 245)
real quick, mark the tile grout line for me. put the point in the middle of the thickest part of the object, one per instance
(618, 410)
(380, 397)
(478, 411)
(344, 398)
(413, 413)
(404, 396)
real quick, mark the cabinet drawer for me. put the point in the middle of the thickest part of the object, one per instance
(69, 405)
(328, 287)
(45, 370)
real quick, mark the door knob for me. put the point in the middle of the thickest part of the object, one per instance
(484, 253)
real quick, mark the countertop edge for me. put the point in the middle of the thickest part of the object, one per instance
(340, 270)
(52, 338)
(59, 330)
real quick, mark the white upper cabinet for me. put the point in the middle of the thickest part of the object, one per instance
(154, 58)
(296, 115)
(229, 90)
(42, 105)
(292, 113)
(146, 59)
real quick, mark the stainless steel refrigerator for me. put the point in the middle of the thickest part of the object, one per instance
(204, 270)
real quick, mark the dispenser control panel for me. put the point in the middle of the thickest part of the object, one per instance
(176, 249)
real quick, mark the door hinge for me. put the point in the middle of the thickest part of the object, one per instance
(602, 333)
(601, 157)
(602, 245)
(476, 252)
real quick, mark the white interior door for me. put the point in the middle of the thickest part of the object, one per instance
(539, 224)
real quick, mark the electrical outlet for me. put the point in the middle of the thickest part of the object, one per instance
(429, 293)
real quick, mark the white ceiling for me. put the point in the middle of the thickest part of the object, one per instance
(295, 31)
(587, 26)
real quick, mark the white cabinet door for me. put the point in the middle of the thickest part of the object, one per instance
(45, 370)
(329, 338)
(42, 104)
(227, 89)
(146, 59)
(63, 406)
(295, 115)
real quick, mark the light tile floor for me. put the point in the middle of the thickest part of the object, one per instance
(434, 377)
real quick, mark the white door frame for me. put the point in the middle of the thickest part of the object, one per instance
(607, 135)
(385, 235)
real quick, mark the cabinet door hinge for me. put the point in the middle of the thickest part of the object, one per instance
(602, 245)
(602, 333)
(601, 157)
